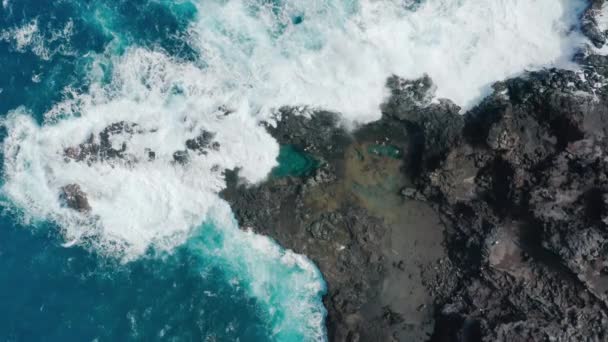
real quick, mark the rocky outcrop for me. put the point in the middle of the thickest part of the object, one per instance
(101, 147)
(202, 142)
(519, 184)
(112, 145)
(73, 197)
(437, 125)
(515, 247)
(589, 24)
(523, 196)
(349, 217)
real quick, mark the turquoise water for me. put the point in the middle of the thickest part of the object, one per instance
(51, 293)
(389, 151)
(194, 293)
(63, 60)
(293, 162)
(219, 284)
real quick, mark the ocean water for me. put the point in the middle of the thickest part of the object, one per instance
(159, 256)
(66, 294)
(294, 162)
(385, 151)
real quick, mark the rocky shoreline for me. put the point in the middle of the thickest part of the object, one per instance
(348, 217)
(430, 225)
(492, 225)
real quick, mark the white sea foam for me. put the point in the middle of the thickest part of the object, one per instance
(254, 59)
(341, 53)
(146, 202)
(29, 37)
(22, 36)
(286, 283)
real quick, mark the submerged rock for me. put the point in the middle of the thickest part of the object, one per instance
(112, 145)
(74, 198)
(202, 142)
(100, 147)
(181, 157)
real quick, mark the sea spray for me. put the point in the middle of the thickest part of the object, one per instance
(289, 285)
(69, 294)
(337, 55)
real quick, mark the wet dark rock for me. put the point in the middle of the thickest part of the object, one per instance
(519, 183)
(437, 126)
(321, 135)
(181, 157)
(343, 242)
(589, 24)
(111, 145)
(391, 317)
(100, 148)
(409, 96)
(74, 198)
(412, 193)
(151, 154)
(526, 186)
(321, 216)
(202, 142)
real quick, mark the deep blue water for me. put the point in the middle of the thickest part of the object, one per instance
(96, 27)
(51, 293)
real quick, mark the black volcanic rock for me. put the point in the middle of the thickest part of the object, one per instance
(73, 197)
(99, 147)
(201, 142)
(590, 26)
(524, 197)
(436, 125)
(181, 157)
(519, 185)
(328, 216)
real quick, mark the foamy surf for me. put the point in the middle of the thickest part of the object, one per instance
(134, 142)
(336, 55)
(288, 284)
(136, 201)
